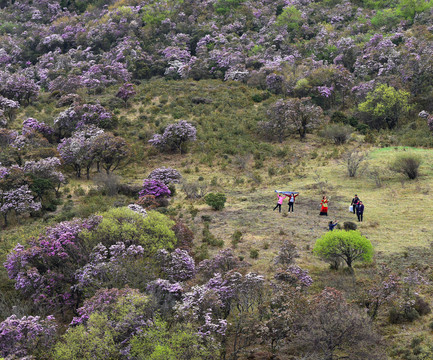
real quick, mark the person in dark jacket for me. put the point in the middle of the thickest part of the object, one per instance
(332, 225)
(355, 202)
(292, 200)
(360, 211)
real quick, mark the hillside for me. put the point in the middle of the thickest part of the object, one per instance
(119, 120)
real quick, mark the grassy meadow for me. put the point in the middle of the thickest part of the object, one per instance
(231, 157)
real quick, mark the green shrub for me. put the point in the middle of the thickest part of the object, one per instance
(153, 232)
(337, 133)
(236, 238)
(79, 191)
(254, 254)
(209, 238)
(407, 164)
(350, 246)
(163, 342)
(216, 201)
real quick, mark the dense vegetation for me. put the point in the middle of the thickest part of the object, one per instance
(140, 142)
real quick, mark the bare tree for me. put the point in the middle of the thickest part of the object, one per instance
(335, 327)
(292, 115)
(354, 159)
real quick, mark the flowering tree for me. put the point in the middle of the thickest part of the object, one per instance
(221, 263)
(27, 336)
(176, 266)
(78, 116)
(384, 290)
(106, 324)
(20, 200)
(108, 267)
(8, 107)
(34, 125)
(332, 325)
(46, 169)
(110, 151)
(61, 251)
(295, 276)
(78, 150)
(175, 137)
(19, 88)
(155, 188)
(126, 92)
(165, 175)
(103, 299)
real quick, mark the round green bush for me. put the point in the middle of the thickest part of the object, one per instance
(217, 201)
(349, 246)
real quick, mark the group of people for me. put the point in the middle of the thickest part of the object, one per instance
(357, 206)
(281, 198)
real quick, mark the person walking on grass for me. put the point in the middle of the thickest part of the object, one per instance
(292, 200)
(360, 211)
(324, 208)
(355, 202)
(280, 201)
(332, 225)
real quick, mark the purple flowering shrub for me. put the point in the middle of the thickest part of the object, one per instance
(165, 294)
(382, 291)
(175, 137)
(138, 209)
(78, 116)
(19, 88)
(106, 324)
(221, 263)
(77, 151)
(154, 187)
(34, 125)
(45, 270)
(110, 266)
(176, 266)
(103, 299)
(210, 304)
(295, 276)
(8, 108)
(27, 336)
(46, 169)
(165, 175)
(126, 92)
(20, 200)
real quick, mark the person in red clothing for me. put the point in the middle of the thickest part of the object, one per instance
(292, 200)
(324, 208)
(280, 201)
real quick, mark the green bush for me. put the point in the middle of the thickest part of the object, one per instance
(407, 164)
(153, 232)
(337, 133)
(161, 342)
(236, 238)
(350, 246)
(216, 201)
(254, 254)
